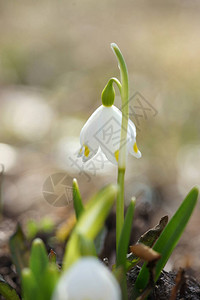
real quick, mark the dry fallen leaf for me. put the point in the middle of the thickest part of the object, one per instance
(144, 252)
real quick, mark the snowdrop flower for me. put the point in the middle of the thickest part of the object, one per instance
(103, 130)
(87, 279)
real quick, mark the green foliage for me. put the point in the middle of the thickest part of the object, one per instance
(46, 225)
(39, 280)
(169, 238)
(90, 223)
(7, 291)
(123, 245)
(125, 236)
(19, 250)
(77, 201)
(38, 259)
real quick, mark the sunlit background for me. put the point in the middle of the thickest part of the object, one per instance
(55, 59)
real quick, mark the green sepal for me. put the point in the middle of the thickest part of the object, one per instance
(108, 94)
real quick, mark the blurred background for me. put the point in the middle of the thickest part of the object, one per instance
(55, 59)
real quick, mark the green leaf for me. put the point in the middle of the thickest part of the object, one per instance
(123, 246)
(32, 229)
(125, 236)
(90, 223)
(30, 288)
(169, 238)
(7, 291)
(40, 279)
(87, 247)
(49, 281)
(77, 201)
(19, 250)
(38, 259)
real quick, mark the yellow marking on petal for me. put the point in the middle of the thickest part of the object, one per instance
(135, 148)
(87, 151)
(117, 155)
(80, 151)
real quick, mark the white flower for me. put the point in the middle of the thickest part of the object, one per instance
(87, 279)
(103, 129)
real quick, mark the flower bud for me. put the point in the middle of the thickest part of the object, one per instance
(87, 279)
(108, 94)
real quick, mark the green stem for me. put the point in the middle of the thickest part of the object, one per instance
(1, 181)
(124, 91)
(118, 83)
(120, 205)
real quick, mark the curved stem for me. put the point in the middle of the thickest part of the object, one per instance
(125, 109)
(118, 83)
(122, 150)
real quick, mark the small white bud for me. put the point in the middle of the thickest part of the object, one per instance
(87, 279)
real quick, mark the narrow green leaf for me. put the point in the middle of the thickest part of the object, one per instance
(169, 238)
(19, 250)
(125, 235)
(38, 259)
(29, 285)
(87, 247)
(49, 281)
(77, 201)
(123, 246)
(7, 291)
(90, 222)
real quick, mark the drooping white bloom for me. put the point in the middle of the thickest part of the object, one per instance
(103, 129)
(87, 279)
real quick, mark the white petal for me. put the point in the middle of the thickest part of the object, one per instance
(132, 128)
(108, 135)
(103, 129)
(90, 127)
(133, 149)
(132, 146)
(88, 152)
(89, 145)
(112, 157)
(87, 279)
